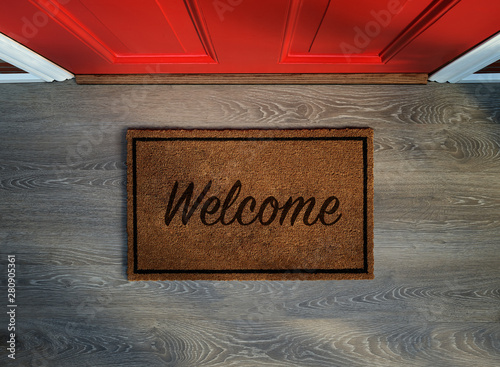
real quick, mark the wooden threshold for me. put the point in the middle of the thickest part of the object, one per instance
(414, 78)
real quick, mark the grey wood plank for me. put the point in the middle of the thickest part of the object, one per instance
(298, 342)
(436, 292)
(404, 295)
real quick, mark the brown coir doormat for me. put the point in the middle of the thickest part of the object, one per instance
(250, 204)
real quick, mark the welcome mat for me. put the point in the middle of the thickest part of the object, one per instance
(250, 204)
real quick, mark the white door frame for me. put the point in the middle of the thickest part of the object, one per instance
(39, 69)
(462, 69)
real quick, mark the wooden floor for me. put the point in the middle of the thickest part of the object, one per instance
(435, 300)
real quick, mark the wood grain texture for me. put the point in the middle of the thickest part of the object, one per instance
(435, 298)
(359, 78)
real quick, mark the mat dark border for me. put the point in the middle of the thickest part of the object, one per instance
(362, 270)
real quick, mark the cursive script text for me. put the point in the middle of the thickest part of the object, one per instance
(215, 210)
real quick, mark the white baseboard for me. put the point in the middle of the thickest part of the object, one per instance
(464, 67)
(482, 78)
(23, 58)
(19, 78)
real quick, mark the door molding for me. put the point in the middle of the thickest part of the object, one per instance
(68, 21)
(39, 68)
(462, 69)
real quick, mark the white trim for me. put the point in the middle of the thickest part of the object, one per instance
(19, 78)
(482, 78)
(16, 54)
(474, 60)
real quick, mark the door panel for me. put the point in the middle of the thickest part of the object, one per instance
(342, 33)
(363, 31)
(122, 28)
(146, 31)
(258, 36)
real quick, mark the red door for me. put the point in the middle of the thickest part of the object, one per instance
(249, 36)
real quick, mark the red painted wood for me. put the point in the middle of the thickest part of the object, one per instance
(492, 68)
(6, 68)
(243, 36)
